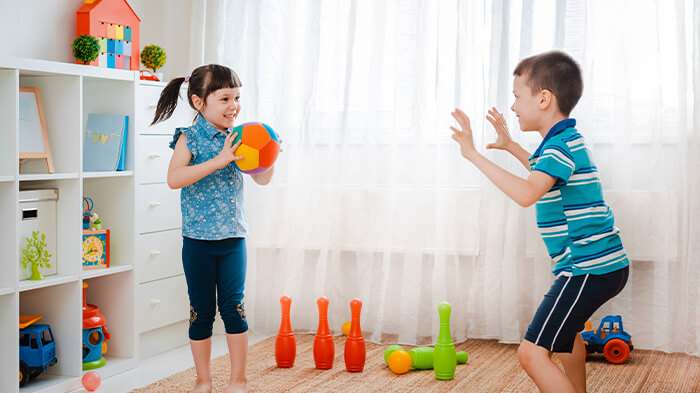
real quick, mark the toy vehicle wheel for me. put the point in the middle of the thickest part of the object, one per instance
(23, 374)
(616, 351)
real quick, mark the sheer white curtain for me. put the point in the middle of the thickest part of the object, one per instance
(372, 200)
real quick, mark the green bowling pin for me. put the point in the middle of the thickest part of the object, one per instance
(422, 358)
(445, 356)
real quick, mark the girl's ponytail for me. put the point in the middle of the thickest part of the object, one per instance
(168, 100)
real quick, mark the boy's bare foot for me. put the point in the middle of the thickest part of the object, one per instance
(201, 387)
(238, 387)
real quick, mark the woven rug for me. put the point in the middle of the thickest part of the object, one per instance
(492, 367)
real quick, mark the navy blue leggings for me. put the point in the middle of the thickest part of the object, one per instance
(215, 267)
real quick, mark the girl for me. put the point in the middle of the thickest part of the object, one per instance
(213, 221)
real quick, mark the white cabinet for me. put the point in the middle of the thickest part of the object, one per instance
(162, 290)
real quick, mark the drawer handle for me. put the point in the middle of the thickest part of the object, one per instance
(155, 302)
(155, 252)
(154, 204)
(153, 156)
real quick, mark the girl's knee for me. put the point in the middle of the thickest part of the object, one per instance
(201, 323)
(233, 315)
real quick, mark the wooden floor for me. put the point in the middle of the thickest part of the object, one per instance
(492, 367)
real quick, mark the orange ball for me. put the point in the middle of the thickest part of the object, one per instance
(399, 362)
(346, 328)
(91, 381)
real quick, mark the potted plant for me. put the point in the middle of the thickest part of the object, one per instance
(86, 48)
(36, 254)
(153, 57)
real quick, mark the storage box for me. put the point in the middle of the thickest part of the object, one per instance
(37, 212)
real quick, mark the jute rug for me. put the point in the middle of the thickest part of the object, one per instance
(492, 367)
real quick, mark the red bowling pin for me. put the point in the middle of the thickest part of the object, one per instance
(324, 348)
(285, 343)
(355, 353)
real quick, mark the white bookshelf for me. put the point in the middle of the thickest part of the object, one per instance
(69, 93)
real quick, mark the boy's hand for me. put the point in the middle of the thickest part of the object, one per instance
(227, 153)
(503, 140)
(464, 136)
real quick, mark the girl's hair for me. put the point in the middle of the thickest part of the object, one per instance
(203, 81)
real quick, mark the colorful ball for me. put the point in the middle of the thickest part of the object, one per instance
(399, 362)
(259, 147)
(91, 381)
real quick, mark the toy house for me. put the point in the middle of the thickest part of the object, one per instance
(115, 24)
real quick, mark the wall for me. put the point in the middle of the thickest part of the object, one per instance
(44, 29)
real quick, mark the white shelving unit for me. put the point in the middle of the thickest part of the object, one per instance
(69, 92)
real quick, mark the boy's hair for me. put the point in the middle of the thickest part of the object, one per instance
(554, 71)
(203, 81)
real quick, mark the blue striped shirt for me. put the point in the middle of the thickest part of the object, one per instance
(577, 226)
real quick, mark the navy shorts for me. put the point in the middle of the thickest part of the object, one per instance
(568, 304)
(215, 273)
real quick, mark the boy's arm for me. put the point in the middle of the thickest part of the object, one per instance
(504, 140)
(264, 178)
(181, 174)
(524, 192)
(520, 153)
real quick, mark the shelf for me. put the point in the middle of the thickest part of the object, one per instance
(47, 176)
(46, 383)
(36, 67)
(115, 366)
(97, 175)
(6, 291)
(50, 281)
(88, 274)
(7, 179)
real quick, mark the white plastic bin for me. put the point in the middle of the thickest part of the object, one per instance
(37, 212)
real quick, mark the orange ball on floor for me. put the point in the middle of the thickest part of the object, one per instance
(399, 362)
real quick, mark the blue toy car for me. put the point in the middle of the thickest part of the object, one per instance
(610, 338)
(37, 351)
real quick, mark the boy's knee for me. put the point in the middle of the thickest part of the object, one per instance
(530, 355)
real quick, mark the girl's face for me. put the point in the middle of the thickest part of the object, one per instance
(222, 107)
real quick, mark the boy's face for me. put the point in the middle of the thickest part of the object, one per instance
(527, 105)
(222, 107)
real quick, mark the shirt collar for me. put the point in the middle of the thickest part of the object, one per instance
(556, 129)
(209, 130)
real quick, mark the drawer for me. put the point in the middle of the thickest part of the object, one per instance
(153, 158)
(146, 101)
(158, 208)
(162, 303)
(159, 255)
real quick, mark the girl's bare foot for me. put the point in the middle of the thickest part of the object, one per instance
(201, 387)
(237, 387)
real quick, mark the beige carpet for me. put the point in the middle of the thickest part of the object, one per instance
(492, 367)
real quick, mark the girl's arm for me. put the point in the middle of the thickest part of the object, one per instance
(524, 192)
(264, 178)
(181, 174)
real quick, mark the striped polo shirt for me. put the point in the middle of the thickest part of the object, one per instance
(577, 226)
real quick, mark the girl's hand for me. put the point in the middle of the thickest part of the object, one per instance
(464, 136)
(227, 155)
(503, 140)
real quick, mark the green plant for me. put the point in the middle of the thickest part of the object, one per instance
(86, 48)
(153, 57)
(36, 254)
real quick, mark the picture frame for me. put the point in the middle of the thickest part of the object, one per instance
(33, 132)
(96, 249)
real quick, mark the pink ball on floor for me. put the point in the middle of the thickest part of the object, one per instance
(91, 381)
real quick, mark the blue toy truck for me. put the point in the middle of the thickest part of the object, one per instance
(610, 338)
(37, 351)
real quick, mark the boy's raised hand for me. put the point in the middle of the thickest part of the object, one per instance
(464, 135)
(498, 122)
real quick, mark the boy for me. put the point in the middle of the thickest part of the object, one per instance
(577, 226)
